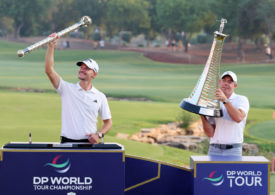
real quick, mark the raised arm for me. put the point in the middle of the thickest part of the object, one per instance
(49, 63)
(236, 114)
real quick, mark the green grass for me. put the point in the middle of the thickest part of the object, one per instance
(272, 183)
(123, 74)
(260, 130)
(260, 124)
(131, 74)
(39, 113)
(265, 130)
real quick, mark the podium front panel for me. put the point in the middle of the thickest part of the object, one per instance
(62, 171)
(227, 176)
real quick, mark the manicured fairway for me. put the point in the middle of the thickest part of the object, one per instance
(130, 74)
(122, 74)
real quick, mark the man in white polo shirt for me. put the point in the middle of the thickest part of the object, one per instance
(226, 133)
(81, 102)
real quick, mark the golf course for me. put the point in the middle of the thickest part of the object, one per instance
(30, 104)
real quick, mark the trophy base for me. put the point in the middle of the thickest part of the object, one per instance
(213, 112)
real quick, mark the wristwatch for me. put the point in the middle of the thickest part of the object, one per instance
(226, 101)
(100, 135)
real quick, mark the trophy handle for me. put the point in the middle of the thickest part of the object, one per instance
(223, 21)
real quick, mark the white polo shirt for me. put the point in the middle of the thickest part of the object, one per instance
(228, 131)
(80, 109)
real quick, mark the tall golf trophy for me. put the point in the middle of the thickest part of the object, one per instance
(202, 100)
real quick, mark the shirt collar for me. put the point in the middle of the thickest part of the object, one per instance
(92, 90)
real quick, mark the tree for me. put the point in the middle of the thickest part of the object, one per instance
(30, 13)
(182, 15)
(154, 28)
(96, 9)
(239, 15)
(6, 24)
(130, 15)
(247, 19)
(265, 12)
(61, 14)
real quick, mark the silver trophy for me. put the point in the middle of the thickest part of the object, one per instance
(84, 21)
(202, 100)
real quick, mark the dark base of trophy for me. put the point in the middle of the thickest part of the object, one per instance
(200, 110)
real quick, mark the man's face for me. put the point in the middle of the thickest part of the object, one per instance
(227, 85)
(85, 73)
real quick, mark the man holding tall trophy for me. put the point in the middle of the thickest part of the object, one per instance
(226, 132)
(223, 113)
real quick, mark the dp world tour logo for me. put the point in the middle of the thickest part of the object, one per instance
(215, 181)
(60, 168)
